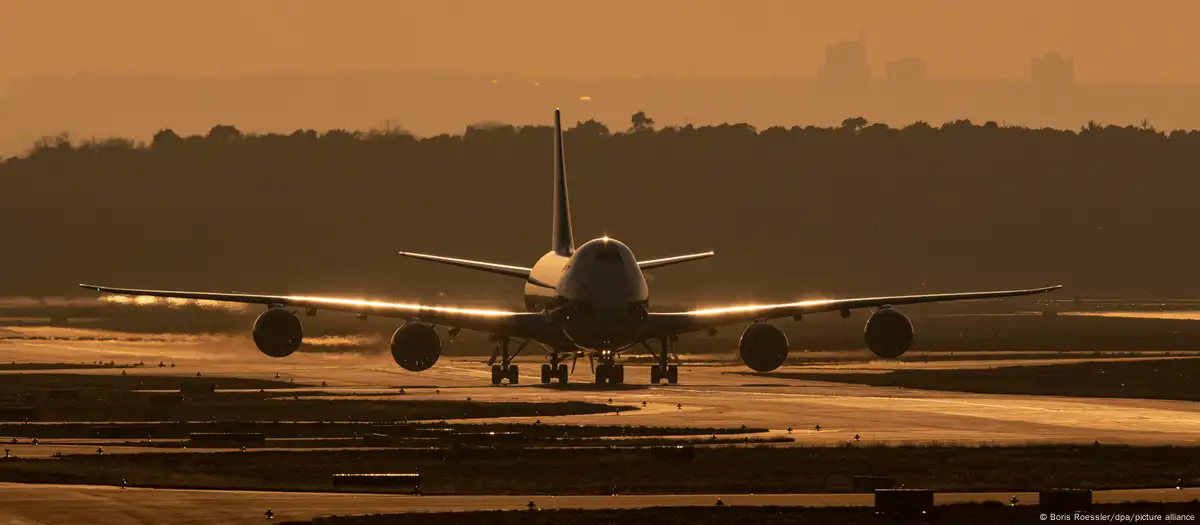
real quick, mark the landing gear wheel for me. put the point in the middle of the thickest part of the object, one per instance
(655, 375)
(673, 374)
(546, 373)
(497, 374)
(513, 378)
(618, 375)
(563, 374)
(601, 374)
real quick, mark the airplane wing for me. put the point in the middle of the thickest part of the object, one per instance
(665, 261)
(518, 324)
(672, 323)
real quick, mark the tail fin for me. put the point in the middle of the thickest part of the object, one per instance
(563, 241)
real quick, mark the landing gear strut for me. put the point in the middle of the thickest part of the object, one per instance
(506, 370)
(555, 370)
(663, 370)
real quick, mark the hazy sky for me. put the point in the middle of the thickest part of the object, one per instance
(1112, 40)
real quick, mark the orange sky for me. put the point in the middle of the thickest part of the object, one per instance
(1112, 40)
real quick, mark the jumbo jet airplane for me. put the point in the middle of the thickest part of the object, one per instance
(589, 300)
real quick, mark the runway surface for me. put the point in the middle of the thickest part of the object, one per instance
(716, 395)
(22, 504)
(721, 395)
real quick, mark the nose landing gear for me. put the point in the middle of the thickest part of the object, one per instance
(555, 370)
(609, 372)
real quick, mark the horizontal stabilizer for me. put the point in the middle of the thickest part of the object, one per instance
(666, 261)
(502, 269)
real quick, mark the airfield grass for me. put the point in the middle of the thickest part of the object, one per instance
(113, 397)
(15, 366)
(1173, 379)
(719, 469)
(311, 410)
(970, 513)
(344, 429)
(113, 384)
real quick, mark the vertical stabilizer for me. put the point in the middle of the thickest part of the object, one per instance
(563, 242)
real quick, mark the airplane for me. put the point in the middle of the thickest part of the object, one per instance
(588, 300)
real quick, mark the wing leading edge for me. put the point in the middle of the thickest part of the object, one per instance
(520, 324)
(670, 323)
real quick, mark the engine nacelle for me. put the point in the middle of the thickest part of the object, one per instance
(763, 347)
(278, 332)
(889, 333)
(416, 346)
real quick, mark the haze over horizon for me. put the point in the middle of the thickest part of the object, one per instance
(1112, 42)
(131, 68)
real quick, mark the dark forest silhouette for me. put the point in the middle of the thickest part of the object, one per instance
(800, 211)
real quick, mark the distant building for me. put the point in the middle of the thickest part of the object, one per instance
(907, 71)
(1052, 71)
(845, 64)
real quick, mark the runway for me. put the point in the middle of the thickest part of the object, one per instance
(708, 395)
(22, 504)
(716, 395)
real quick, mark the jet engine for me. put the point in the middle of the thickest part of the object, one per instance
(889, 333)
(763, 347)
(278, 332)
(416, 346)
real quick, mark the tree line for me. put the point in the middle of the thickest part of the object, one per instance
(799, 211)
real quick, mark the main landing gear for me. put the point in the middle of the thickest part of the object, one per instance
(505, 370)
(555, 370)
(663, 370)
(501, 372)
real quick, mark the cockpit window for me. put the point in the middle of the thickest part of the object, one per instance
(608, 255)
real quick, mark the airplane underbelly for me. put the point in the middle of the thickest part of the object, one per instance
(600, 335)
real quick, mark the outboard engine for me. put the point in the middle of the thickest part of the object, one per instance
(278, 332)
(889, 333)
(763, 347)
(416, 346)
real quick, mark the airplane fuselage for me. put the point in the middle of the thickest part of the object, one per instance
(601, 299)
